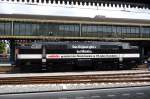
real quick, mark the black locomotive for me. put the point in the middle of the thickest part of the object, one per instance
(76, 55)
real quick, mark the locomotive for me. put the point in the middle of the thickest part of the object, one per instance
(76, 55)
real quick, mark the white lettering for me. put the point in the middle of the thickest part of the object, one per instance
(95, 56)
(83, 47)
(84, 51)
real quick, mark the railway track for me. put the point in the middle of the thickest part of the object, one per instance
(78, 79)
(54, 82)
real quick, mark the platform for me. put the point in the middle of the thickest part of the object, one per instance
(111, 93)
(73, 73)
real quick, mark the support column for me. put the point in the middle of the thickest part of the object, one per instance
(12, 52)
(80, 30)
(142, 51)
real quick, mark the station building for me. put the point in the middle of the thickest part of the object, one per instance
(81, 27)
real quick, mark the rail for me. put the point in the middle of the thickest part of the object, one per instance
(75, 79)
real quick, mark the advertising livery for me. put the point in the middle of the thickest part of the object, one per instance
(106, 55)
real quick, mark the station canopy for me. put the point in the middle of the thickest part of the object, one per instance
(132, 3)
(121, 3)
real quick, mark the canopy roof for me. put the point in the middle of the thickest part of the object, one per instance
(132, 3)
(66, 19)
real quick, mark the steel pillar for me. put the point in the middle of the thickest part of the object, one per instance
(142, 50)
(12, 51)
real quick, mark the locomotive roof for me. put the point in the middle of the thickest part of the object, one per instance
(124, 45)
(80, 42)
(38, 45)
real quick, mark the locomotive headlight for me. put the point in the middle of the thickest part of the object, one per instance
(43, 60)
(120, 59)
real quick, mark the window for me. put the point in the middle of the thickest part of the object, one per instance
(133, 30)
(145, 32)
(66, 29)
(90, 30)
(5, 28)
(2, 31)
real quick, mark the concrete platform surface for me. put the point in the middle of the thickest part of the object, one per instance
(110, 93)
(73, 73)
